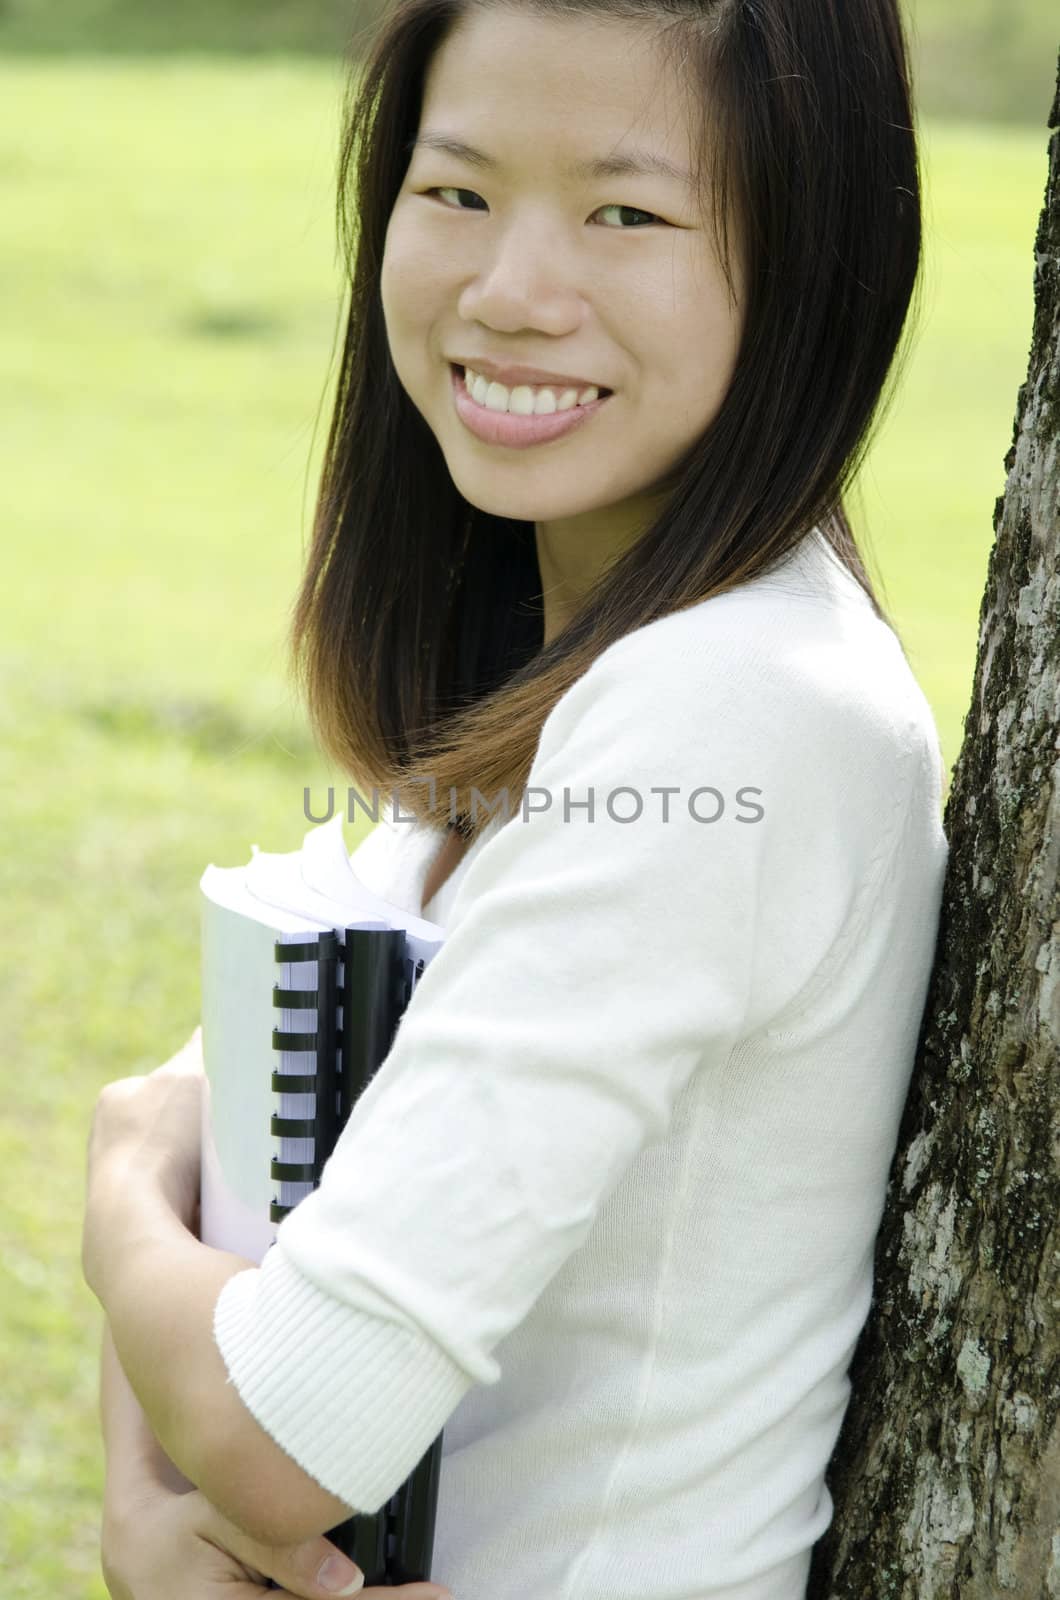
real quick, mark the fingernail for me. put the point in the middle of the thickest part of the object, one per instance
(337, 1571)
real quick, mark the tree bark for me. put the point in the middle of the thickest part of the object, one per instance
(946, 1476)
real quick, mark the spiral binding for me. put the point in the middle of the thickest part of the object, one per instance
(367, 976)
(376, 987)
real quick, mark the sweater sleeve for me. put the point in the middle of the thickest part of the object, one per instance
(594, 961)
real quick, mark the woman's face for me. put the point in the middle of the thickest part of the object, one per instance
(522, 262)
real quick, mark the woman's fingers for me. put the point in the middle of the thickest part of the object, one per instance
(297, 1568)
(313, 1570)
(157, 1555)
(173, 1546)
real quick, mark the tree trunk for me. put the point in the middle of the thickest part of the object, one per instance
(946, 1476)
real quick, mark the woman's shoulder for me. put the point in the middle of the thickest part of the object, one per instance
(805, 632)
(809, 597)
(795, 668)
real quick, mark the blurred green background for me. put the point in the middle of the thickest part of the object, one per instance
(990, 59)
(169, 309)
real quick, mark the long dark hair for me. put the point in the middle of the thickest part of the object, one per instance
(417, 635)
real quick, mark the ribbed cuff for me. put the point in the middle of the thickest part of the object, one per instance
(355, 1399)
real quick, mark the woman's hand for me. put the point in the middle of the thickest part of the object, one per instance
(179, 1547)
(145, 1131)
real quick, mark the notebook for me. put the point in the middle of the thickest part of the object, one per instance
(305, 975)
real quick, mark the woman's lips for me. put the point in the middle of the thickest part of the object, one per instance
(505, 428)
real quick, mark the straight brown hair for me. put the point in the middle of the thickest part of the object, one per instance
(417, 634)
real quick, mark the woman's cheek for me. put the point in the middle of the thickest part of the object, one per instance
(403, 261)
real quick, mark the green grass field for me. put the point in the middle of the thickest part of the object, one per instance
(165, 345)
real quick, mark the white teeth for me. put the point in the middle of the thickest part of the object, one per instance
(524, 401)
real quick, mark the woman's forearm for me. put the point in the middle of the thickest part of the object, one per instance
(158, 1286)
(134, 1458)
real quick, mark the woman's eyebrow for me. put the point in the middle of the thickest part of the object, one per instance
(628, 163)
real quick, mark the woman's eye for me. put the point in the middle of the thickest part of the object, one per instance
(629, 210)
(452, 191)
(635, 212)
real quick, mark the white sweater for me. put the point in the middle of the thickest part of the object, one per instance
(607, 1212)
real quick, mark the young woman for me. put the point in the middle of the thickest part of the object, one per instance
(583, 596)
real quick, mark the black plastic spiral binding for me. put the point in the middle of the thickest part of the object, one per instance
(370, 974)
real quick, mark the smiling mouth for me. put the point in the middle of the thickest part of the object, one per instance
(517, 430)
(557, 389)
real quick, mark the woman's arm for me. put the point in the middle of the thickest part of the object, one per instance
(134, 1457)
(161, 1535)
(158, 1286)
